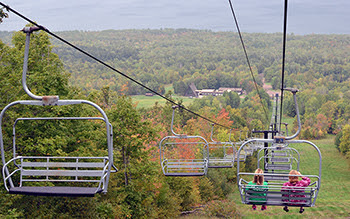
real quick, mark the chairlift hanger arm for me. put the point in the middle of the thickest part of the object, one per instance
(46, 99)
(294, 91)
(172, 122)
(229, 137)
(211, 134)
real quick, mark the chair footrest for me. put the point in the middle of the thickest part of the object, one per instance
(280, 154)
(185, 174)
(278, 166)
(55, 191)
(223, 166)
(281, 160)
(278, 204)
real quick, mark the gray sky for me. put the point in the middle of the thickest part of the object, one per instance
(304, 16)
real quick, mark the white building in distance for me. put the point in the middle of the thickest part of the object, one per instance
(218, 92)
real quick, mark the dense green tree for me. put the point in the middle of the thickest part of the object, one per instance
(180, 88)
(232, 99)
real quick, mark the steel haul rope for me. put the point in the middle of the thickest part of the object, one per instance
(247, 58)
(283, 56)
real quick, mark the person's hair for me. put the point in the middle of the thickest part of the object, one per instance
(293, 179)
(259, 179)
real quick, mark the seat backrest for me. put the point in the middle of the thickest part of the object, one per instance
(49, 169)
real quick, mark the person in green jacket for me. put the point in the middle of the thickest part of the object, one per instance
(260, 186)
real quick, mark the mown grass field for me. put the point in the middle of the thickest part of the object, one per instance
(143, 101)
(334, 197)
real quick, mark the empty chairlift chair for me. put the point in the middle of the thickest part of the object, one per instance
(54, 175)
(278, 160)
(221, 154)
(183, 155)
(256, 145)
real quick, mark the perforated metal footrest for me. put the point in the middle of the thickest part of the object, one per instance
(55, 191)
(281, 154)
(220, 166)
(184, 174)
(280, 159)
(278, 166)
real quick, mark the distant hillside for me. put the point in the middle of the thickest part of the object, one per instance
(318, 65)
(209, 59)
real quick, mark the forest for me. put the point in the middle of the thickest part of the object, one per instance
(318, 65)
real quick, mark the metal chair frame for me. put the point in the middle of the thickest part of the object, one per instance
(275, 194)
(71, 170)
(227, 150)
(183, 167)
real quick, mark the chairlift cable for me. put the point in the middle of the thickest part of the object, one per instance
(107, 65)
(247, 58)
(283, 57)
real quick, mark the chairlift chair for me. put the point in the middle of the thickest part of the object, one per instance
(183, 155)
(278, 160)
(64, 175)
(221, 154)
(274, 193)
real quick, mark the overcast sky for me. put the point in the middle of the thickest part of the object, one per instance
(304, 16)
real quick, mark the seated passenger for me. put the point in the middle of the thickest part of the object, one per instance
(258, 185)
(292, 187)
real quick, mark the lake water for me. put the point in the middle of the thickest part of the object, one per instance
(304, 16)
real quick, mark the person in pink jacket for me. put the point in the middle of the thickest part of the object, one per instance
(293, 186)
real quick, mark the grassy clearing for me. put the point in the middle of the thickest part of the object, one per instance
(143, 101)
(289, 121)
(334, 197)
